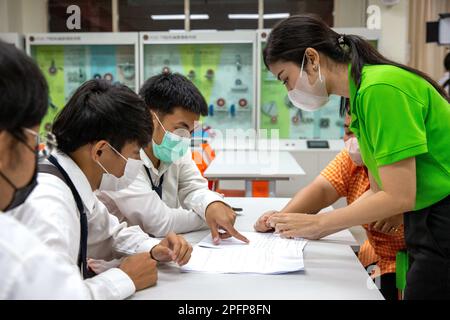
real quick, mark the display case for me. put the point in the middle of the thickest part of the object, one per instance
(220, 63)
(69, 59)
(278, 116)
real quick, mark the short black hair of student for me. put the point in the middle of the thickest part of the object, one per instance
(23, 91)
(99, 110)
(166, 91)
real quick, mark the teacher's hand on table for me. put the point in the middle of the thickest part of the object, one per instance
(261, 225)
(297, 225)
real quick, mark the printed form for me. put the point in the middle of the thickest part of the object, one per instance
(267, 253)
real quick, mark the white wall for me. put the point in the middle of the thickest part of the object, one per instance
(3, 16)
(23, 16)
(394, 30)
(350, 13)
(394, 24)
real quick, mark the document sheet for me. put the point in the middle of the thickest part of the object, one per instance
(266, 253)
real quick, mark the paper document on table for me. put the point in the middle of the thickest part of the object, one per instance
(267, 241)
(242, 260)
(266, 253)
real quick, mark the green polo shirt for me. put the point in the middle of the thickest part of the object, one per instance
(398, 115)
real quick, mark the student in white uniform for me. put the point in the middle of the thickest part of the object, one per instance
(28, 269)
(169, 193)
(99, 134)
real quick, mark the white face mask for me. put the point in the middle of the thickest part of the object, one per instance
(352, 147)
(306, 96)
(112, 183)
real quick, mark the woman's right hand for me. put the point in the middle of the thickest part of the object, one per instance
(261, 224)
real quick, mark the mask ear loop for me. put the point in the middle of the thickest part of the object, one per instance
(9, 181)
(303, 63)
(159, 121)
(98, 162)
(320, 74)
(301, 69)
(114, 149)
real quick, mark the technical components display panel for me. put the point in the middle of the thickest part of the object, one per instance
(69, 59)
(220, 63)
(13, 38)
(276, 112)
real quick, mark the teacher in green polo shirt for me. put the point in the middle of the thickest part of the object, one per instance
(401, 118)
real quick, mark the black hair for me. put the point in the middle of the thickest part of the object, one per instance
(446, 84)
(166, 91)
(290, 38)
(23, 91)
(447, 62)
(344, 107)
(99, 110)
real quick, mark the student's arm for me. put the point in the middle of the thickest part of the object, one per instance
(194, 194)
(317, 195)
(311, 199)
(193, 189)
(389, 225)
(141, 206)
(395, 133)
(51, 214)
(45, 275)
(398, 196)
(126, 241)
(31, 270)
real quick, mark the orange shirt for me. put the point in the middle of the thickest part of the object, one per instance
(352, 181)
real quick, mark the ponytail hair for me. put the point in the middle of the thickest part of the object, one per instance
(447, 85)
(291, 37)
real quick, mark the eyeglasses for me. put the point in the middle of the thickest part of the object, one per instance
(183, 133)
(45, 142)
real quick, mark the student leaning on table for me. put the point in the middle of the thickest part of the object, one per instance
(29, 270)
(346, 176)
(170, 194)
(401, 119)
(98, 148)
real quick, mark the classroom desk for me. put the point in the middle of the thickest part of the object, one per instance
(332, 271)
(251, 165)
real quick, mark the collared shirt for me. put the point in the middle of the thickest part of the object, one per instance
(397, 115)
(351, 181)
(185, 197)
(29, 270)
(51, 213)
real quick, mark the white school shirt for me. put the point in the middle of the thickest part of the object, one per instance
(29, 270)
(185, 197)
(51, 213)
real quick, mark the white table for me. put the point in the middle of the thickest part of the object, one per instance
(332, 271)
(250, 165)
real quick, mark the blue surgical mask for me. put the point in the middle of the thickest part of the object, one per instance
(173, 146)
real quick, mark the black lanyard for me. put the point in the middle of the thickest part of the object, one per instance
(158, 188)
(62, 174)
